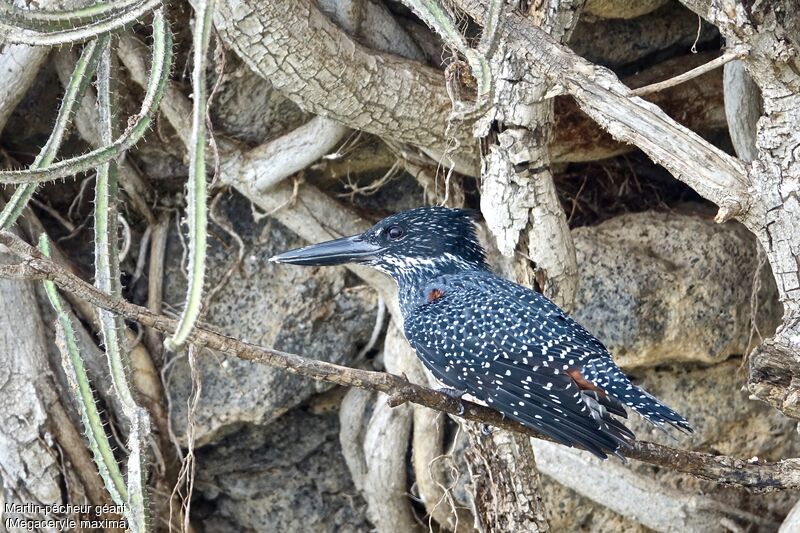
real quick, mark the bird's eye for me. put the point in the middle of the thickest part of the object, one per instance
(395, 232)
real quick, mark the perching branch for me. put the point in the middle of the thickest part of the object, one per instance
(754, 475)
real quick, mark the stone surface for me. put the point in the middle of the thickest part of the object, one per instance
(669, 30)
(288, 477)
(569, 511)
(657, 287)
(724, 418)
(310, 311)
(725, 421)
(249, 109)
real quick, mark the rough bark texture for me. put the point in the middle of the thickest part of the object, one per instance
(676, 298)
(770, 33)
(506, 486)
(696, 104)
(517, 190)
(29, 468)
(300, 51)
(41, 451)
(518, 197)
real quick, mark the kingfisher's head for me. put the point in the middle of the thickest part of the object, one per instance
(426, 239)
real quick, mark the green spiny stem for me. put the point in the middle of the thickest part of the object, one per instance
(431, 12)
(106, 251)
(79, 381)
(107, 279)
(439, 20)
(14, 34)
(159, 73)
(64, 19)
(75, 90)
(196, 208)
(491, 26)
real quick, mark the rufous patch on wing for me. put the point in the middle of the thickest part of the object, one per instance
(583, 383)
(434, 294)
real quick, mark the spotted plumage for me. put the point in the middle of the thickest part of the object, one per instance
(504, 345)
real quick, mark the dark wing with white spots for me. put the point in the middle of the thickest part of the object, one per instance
(570, 344)
(478, 337)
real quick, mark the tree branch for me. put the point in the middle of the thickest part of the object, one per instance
(753, 475)
(711, 172)
(727, 57)
(300, 50)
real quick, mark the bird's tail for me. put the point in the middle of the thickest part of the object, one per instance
(618, 385)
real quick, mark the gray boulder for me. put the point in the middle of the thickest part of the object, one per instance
(320, 313)
(657, 287)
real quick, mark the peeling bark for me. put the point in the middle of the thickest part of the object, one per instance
(696, 104)
(770, 32)
(29, 464)
(299, 50)
(506, 485)
(711, 172)
(517, 190)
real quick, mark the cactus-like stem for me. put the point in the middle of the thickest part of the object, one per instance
(432, 13)
(37, 19)
(196, 211)
(107, 279)
(159, 73)
(76, 87)
(13, 30)
(79, 382)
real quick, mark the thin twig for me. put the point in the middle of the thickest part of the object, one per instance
(727, 57)
(754, 475)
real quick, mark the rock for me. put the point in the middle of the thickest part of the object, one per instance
(667, 30)
(625, 9)
(657, 287)
(249, 109)
(313, 312)
(289, 477)
(725, 421)
(569, 511)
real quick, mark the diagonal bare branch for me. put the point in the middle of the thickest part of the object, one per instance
(754, 475)
(711, 172)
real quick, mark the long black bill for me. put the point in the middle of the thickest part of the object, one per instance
(336, 252)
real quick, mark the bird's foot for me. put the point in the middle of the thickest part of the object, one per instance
(456, 394)
(452, 392)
